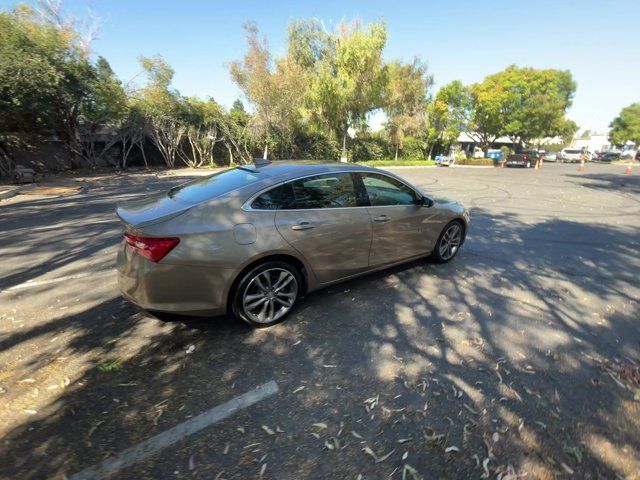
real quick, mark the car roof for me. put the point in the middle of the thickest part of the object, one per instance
(285, 169)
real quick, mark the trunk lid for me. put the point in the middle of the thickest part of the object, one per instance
(148, 211)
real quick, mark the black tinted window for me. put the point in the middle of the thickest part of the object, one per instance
(384, 190)
(274, 199)
(332, 190)
(209, 187)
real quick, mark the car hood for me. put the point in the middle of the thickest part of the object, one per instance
(442, 200)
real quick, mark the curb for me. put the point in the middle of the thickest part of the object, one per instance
(11, 192)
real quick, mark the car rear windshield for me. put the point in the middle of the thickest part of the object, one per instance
(215, 185)
(573, 151)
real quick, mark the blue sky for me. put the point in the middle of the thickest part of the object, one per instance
(597, 40)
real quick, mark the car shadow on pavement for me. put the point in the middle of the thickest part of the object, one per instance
(507, 360)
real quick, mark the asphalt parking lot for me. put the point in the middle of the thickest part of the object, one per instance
(516, 358)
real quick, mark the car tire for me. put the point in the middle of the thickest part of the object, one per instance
(443, 255)
(276, 302)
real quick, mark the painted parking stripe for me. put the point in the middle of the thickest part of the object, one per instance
(154, 444)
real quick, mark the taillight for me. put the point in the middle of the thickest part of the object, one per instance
(526, 158)
(152, 248)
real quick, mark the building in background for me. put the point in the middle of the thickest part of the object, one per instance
(593, 143)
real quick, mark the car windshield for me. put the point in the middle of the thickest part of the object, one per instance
(573, 151)
(213, 186)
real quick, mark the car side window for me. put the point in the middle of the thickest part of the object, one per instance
(278, 198)
(384, 190)
(331, 190)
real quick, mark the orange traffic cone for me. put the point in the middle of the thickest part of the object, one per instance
(581, 167)
(537, 163)
(628, 170)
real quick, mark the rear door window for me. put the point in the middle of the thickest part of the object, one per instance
(331, 190)
(277, 198)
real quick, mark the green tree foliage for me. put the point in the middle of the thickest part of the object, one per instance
(522, 103)
(447, 115)
(275, 89)
(45, 77)
(311, 102)
(406, 99)
(162, 108)
(351, 83)
(626, 126)
(105, 105)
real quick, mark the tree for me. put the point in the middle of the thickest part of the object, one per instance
(203, 119)
(44, 76)
(626, 126)
(104, 106)
(447, 115)
(485, 117)
(406, 99)
(162, 108)
(350, 84)
(536, 102)
(275, 89)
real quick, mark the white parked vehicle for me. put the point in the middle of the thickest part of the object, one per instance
(572, 155)
(445, 161)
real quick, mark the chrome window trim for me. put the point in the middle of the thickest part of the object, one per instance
(246, 206)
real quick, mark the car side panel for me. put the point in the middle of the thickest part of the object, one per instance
(337, 244)
(406, 232)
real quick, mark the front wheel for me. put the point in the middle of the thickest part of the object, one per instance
(449, 242)
(266, 293)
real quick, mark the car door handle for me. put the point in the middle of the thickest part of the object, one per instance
(381, 218)
(302, 226)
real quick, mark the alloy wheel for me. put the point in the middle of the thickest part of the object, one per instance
(450, 241)
(270, 295)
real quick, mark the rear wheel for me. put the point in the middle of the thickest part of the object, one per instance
(449, 242)
(266, 293)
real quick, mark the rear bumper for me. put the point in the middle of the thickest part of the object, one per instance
(162, 287)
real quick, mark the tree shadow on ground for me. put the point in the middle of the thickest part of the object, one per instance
(504, 353)
(609, 182)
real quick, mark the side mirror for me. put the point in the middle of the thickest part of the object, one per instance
(424, 202)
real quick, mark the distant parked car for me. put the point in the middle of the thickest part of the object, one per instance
(526, 158)
(628, 154)
(445, 161)
(609, 156)
(572, 155)
(550, 157)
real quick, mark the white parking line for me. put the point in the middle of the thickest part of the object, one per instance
(142, 450)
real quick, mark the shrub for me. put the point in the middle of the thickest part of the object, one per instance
(390, 162)
(413, 148)
(477, 161)
(368, 149)
(317, 146)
